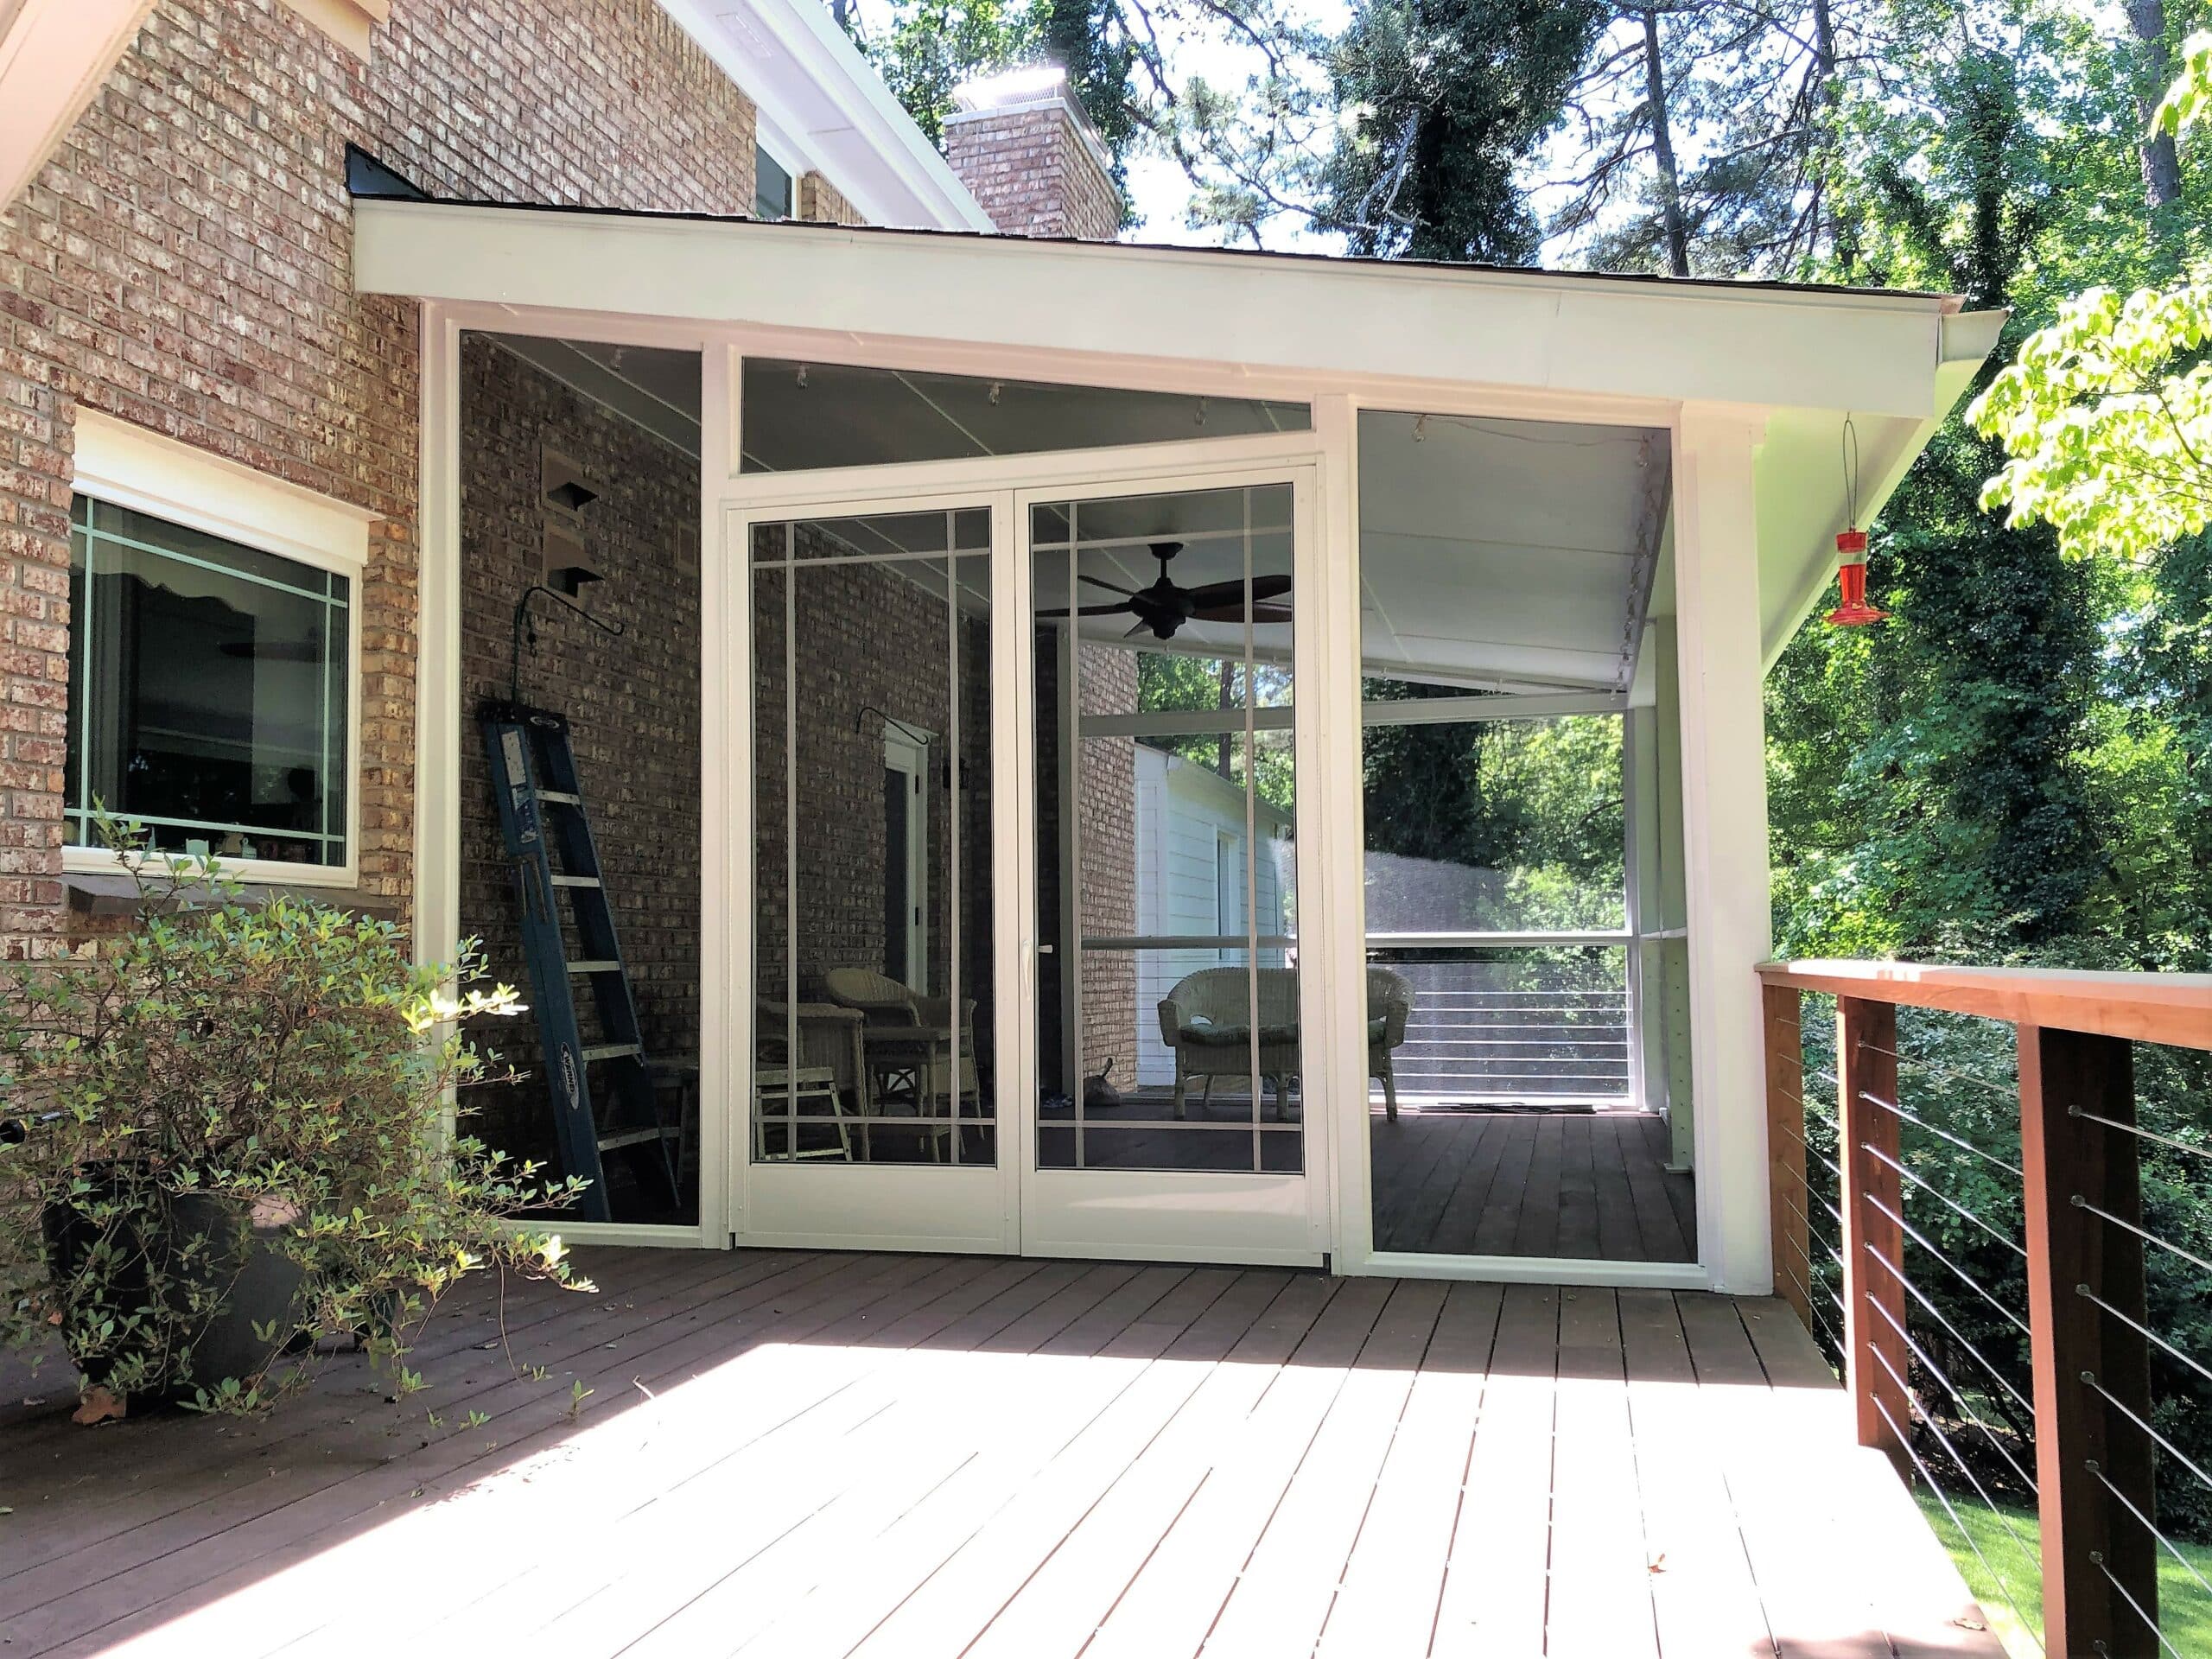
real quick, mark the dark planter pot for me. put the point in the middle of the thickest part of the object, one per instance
(252, 1283)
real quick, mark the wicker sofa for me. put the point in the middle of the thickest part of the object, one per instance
(1206, 1022)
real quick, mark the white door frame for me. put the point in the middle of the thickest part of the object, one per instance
(1188, 1215)
(828, 1203)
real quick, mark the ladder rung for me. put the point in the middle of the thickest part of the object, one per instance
(575, 880)
(563, 797)
(599, 967)
(609, 1052)
(633, 1137)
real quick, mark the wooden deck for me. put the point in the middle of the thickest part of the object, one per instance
(1592, 1185)
(905, 1457)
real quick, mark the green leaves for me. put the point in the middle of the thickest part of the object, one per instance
(2190, 99)
(2107, 422)
(2106, 414)
(230, 1083)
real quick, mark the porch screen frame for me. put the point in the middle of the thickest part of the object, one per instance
(789, 1205)
(1252, 1217)
(1729, 1142)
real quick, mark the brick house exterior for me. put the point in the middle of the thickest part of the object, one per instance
(182, 263)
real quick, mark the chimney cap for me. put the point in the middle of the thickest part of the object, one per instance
(1031, 82)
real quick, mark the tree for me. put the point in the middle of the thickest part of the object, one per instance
(1443, 102)
(1702, 135)
(926, 48)
(2107, 413)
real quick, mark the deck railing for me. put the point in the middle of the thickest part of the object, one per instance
(2059, 1406)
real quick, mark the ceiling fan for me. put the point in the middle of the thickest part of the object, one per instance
(1163, 608)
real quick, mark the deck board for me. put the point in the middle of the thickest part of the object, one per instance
(797, 1454)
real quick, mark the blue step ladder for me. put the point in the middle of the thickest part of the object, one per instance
(603, 1091)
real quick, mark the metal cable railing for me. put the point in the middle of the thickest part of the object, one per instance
(2013, 1273)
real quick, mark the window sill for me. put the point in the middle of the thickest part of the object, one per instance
(107, 891)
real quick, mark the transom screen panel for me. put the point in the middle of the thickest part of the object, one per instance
(872, 855)
(1168, 1011)
(798, 416)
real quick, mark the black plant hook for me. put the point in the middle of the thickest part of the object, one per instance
(526, 628)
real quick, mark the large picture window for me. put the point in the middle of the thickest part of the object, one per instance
(209, 686)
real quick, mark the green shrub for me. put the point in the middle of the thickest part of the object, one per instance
(227, 1071)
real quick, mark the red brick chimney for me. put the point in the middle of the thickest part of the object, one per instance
(1020, 144)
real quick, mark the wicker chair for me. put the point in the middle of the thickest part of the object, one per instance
(828, 1068)
(911, 1042)
(1206, 1021)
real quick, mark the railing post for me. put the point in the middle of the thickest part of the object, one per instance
(2067, 1160)
(1788, 1203)
(1866, 1066)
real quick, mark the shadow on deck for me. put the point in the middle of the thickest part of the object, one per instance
(810, 1455)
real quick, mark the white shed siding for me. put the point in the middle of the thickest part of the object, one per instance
(1183, 812)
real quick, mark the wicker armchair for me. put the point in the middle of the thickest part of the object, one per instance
(913, 1044)
(1207, 1021)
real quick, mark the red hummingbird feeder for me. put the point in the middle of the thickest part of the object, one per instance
(1850, 548)
(1851, 578)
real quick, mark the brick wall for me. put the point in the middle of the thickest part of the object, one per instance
(1107, 790)
(824, 203)
(183, 262)
(632, 702)
(1035, 171)
(863, 638)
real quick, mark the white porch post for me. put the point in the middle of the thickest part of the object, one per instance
(1725, 830)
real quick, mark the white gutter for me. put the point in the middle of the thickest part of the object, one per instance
(823, 109)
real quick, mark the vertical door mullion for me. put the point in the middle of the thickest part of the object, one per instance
(1014, 856)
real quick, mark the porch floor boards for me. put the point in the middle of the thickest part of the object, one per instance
(1592, 1186)
(794, 1453)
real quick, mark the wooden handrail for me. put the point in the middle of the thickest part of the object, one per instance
(2085, 1281)
(2172, 1008)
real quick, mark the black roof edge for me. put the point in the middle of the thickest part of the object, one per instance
(370, 179)
(384, 185)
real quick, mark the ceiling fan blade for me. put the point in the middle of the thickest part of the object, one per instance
(1261, 613)
(1100, 581)
(1212, 594)
(1092, 610)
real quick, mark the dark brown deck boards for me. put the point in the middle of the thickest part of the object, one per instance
(1589, 1186)
(803, 1455)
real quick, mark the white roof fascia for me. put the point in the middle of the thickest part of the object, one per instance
(821, 108)
(1872, 353)
(53, 56)
(1887, 449)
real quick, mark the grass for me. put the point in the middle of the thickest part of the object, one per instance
(2008, 1546)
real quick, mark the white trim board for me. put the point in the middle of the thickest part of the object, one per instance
(53, 56)
(820, 108)
(1875, 354)
(134, 468)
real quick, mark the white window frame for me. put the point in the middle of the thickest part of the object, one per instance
(128, 465)
(775, 153)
